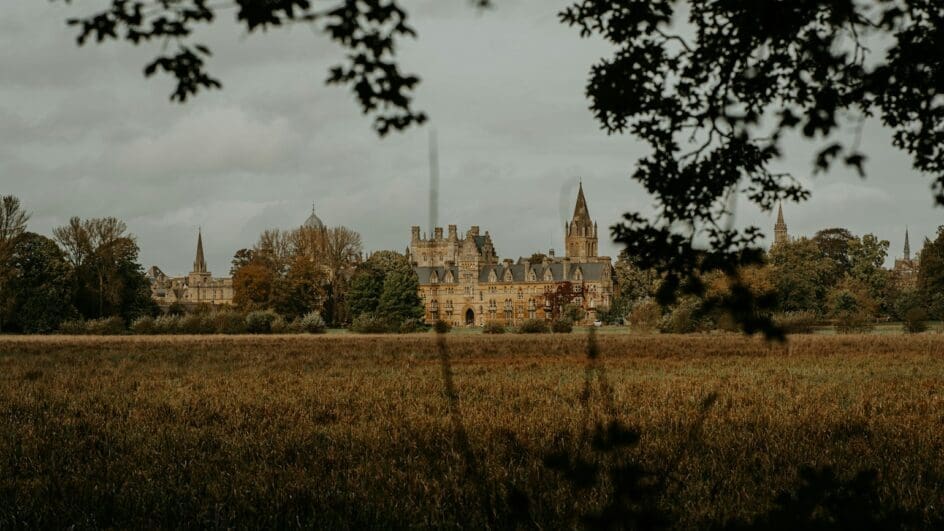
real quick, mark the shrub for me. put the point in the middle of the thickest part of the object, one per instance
(573, 312)
(260, 321)
(411, 326)
(176, 309)
(105, 326)
(853, 323)
(684, 318)
(645, 316)
(311, 323)
(143, 325)
(442, 327)
(75, 327)
(915, 320)
(533, 326)
(366, 323)
(796, 322)
(280, 326)
(562, 326)
(195, 324)
(229, 322)
(167, 324)
(493, 327)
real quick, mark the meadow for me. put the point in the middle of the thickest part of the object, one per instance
(349, 431)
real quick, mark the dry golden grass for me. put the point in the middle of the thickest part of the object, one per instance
(354, 431)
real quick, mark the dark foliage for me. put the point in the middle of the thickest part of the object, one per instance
(714, 106)
(368, 30)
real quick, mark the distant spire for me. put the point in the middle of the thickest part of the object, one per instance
(780, 228)
(581, 212)
(907, 246)
(199, 263)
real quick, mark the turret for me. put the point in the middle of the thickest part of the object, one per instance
(438, 233)
(415, 232)
(453, 233)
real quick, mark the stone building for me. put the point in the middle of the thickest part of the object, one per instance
(197, 288)
(906, 270)
(463, 282)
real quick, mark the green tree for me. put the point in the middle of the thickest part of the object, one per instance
(931, 275)
(39, 296)
(834, 244)
(400, 298)
(867, 266)
(108, 279)
(799, 273)
(13, 222)
(365, 290)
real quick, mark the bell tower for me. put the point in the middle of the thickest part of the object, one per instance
(581, 239)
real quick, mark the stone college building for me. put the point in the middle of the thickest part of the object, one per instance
(463, 282)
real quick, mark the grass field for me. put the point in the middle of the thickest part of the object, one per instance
(348, 431)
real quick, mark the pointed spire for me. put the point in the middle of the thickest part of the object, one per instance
(199, 263)
(581, 212)
(907, 246)
(780, 228)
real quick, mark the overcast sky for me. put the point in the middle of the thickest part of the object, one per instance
(83, 133)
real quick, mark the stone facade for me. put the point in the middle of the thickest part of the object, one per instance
(463, 282)
(197, 288)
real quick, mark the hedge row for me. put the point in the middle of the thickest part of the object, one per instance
(259, 322)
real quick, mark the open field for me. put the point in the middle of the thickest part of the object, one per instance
(352, 431)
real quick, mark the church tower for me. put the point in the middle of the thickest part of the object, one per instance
(199, 275)
(780, 228)
(581, 239)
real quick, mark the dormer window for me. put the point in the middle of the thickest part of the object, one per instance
(548, 275)
(434, 278)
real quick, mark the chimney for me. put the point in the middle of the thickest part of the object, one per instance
(474, 229)
(438, 233)
(415, 230)
(550, 252)
(453, 233)
(508, 262)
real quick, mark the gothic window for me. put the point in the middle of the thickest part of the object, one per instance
(434, 306)
(531, 276)
(520, 294)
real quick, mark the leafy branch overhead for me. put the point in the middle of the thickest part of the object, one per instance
(714, 87)
(369, 31)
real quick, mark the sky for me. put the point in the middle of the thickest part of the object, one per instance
(84, 133)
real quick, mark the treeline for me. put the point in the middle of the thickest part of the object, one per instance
(89, 270)
(306, 270)
(833, 278)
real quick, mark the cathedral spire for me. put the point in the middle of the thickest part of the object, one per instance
(780, 228)
(581, 212)
(907, 246)
(199, 263)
